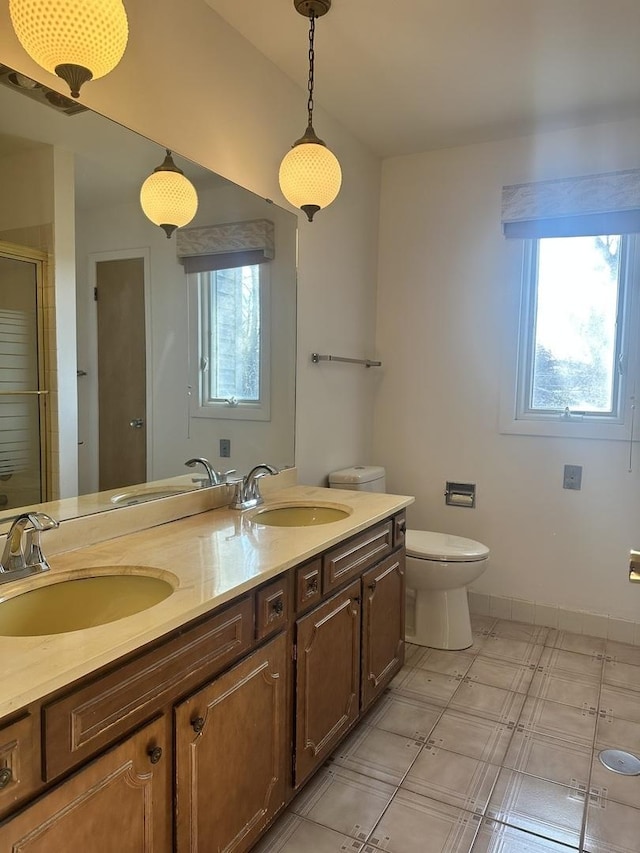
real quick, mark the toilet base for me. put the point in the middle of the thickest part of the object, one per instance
(442, 619)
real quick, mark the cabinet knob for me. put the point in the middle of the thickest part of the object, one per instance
(277, 608)
(155, 754)
(5, 777)
(402, 526)
(197, 724)
(373, 585)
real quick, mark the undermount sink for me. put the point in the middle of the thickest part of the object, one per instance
(141, 495)
(82, 602)
(298, 515)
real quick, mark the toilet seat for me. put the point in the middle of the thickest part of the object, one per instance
(444, 547)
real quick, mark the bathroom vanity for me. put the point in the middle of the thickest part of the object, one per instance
(191, 725)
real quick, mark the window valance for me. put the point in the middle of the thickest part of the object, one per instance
(608, 203)
(232, 244)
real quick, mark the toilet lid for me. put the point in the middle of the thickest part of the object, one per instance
(444, 546)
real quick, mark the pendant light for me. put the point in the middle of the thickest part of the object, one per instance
(167, 198)
(310, 175)
(79, 40)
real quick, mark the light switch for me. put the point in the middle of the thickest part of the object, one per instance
(572, 477)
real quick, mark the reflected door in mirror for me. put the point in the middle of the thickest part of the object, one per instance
(121, 373)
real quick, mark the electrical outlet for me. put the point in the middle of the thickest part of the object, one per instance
(225, 448)
(572, 477)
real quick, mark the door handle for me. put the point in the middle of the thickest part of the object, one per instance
(136, 423)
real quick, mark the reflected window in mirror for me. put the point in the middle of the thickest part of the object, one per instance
(231, 343)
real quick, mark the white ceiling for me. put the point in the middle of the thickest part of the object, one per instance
(411, 75)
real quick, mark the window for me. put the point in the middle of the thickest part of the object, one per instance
(575, 361)
(232, 358)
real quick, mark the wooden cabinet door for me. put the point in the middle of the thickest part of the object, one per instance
(231, 754)
(116, 804)
(382, 625)
(327, 677)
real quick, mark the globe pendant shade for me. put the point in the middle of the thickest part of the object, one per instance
(76, 39)
(310, 177)
(169, 200)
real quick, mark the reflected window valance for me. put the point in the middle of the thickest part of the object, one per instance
(569, 207)
(232, 244)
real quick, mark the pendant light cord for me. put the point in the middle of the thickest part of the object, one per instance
(312, 32)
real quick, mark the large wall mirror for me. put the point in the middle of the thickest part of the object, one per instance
(117, 360)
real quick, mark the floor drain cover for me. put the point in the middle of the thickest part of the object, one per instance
(620, 762)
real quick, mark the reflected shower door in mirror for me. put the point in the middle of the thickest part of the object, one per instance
(124, 386)
(23, 446)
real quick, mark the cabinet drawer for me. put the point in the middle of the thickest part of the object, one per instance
(351, 558)
(93, 716)
(308, 591)
(19, 762)
(272, 607)
(399, 529)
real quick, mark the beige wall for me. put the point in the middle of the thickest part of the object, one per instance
(27, 190)
(192, 83)
(448, 290)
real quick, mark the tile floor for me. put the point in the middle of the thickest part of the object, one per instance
(491, 749)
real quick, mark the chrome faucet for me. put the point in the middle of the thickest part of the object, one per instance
(23, 555)
(247, 492)
(214, 478)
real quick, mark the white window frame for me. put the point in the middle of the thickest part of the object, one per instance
(243, 410)
(515, 417)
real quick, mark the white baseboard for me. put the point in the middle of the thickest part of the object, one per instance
(575, 621)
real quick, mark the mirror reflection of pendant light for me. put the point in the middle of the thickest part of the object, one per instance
(79, 40)
(167, 198)
(310, 174)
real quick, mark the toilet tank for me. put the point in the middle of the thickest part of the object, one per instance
(360, 478)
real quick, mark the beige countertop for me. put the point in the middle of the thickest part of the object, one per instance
(212, 558)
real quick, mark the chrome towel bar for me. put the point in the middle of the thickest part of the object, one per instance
(316, 357)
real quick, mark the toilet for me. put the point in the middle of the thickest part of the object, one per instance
(439, 568)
